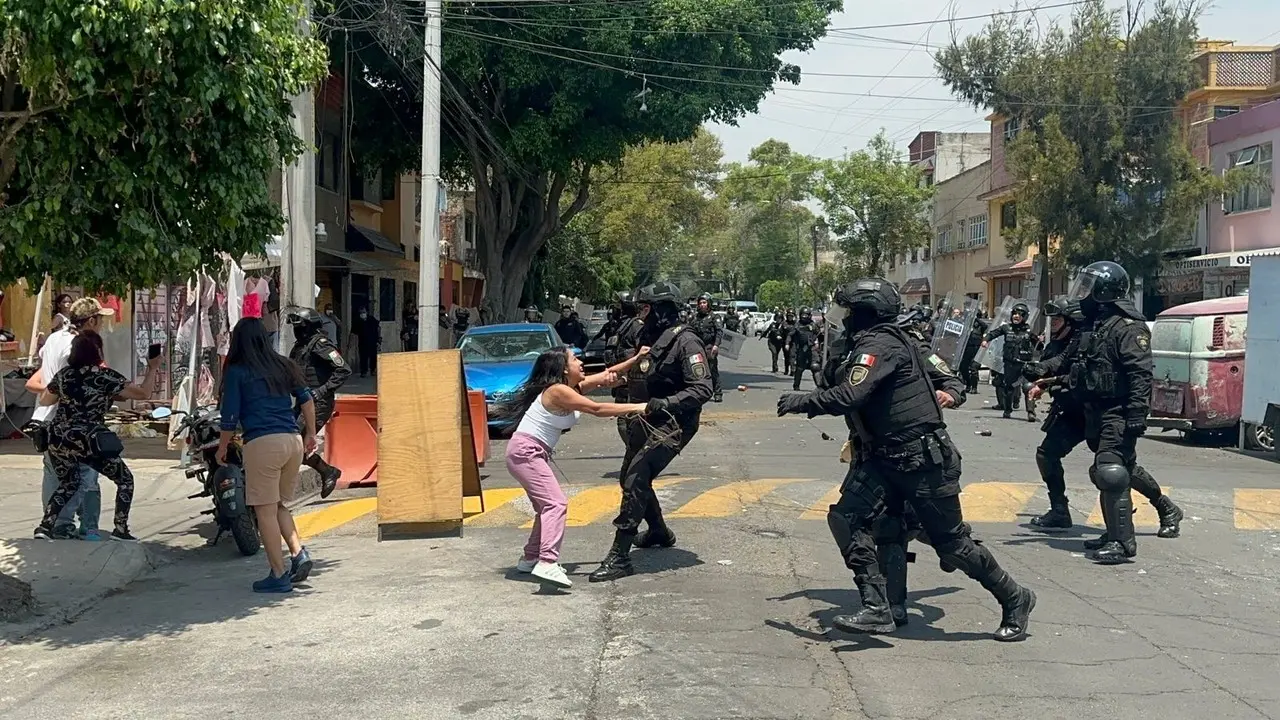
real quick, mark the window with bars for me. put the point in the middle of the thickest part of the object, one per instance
(944, 241)
(1012, 127)
(1256, 195)
(978, 231)
(962, 237)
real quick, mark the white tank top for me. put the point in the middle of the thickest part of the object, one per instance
(545, 425)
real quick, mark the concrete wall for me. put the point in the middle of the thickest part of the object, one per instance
(956, 200)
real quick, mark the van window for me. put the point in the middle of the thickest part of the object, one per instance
(1171, 336)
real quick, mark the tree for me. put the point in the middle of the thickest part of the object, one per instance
(575, 262)
(875, 203)
(1098, 165)
(822, 282)
(538, 97)
(136, 138)
(775, 227)
(775, 293)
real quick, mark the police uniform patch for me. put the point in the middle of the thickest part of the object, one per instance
(858, 374)
(335, 357)
(868, 360)
(644, 365)
(1144, 341)
(698, 366)
(940, 364)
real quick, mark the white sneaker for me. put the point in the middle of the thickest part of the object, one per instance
(553, 574)
(526, 566)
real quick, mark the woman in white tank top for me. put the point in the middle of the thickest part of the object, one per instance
(549, 403)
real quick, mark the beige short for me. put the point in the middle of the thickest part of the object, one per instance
(271, 468)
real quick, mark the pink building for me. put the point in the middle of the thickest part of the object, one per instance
(1246, 223)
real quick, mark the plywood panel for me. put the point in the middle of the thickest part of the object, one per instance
(425, 452)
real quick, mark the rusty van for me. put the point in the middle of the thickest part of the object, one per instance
(1198, 383)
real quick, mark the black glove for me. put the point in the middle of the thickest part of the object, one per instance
(1135, 426)
(1033, 371)
(656, 405)
(791, 402)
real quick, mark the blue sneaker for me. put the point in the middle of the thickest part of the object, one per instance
(92, 536)
(300, 566)
(273, 584)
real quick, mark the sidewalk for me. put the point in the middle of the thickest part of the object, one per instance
(69, 576)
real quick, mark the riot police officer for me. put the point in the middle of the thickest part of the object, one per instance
(325, 370)
(968, 369)
(788, 357)
(675, 381)
(801, 346)
(890, 405)
(708, 329)
(620, 346)
(1110, 374)
(776, 335)
(1019, 349)
(532, 315)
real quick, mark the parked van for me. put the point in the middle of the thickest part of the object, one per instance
(1198, 383)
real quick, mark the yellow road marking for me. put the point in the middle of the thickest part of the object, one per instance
(995, 501)
(729, 499)
(818, 510)
(498, 508)
(594, 503)
(1257, 509)
(1146, 516)
(313, 523)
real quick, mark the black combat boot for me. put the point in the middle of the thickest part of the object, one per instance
(617, 564)
(1016, 602)
(1117, 510)
(718, 396)
(1097, 543)
(329, 475)
(1058, 517)
(1170, 517)
(892, 560)
(660, 536)
(874, 617)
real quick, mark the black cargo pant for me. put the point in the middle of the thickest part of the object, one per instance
(803, 362)
(1011, 386)
(714, 362)
(774, 349)
(648, 454)
(1063, 431)
(1112, 444)
(868, 490)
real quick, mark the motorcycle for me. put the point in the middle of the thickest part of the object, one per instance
(224, 483)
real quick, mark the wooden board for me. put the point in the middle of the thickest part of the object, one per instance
(426, 454)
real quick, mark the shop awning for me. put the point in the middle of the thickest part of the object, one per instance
(1013, 269)
(353, 261)
(915, 286)
(363, 239)
(1198, 263)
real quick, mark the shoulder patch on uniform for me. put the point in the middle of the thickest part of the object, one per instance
(857, 374)
(940, 364)
(335, 357)
(1144, 341)
(697, 366)
(867, 360)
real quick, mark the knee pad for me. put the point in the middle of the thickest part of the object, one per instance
(889, 530)
(1110, 477)
(959, 554)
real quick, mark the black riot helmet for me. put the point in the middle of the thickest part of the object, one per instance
(627, 304)
(663, 300)
(1022, 311)
(305, 321)
(1056, 307)
(870, 301)
(701, 298)
(1100, 284)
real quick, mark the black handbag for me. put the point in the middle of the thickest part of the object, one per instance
(106, 445)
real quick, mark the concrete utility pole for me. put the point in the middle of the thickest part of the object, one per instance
(298, 256)
(429, 235)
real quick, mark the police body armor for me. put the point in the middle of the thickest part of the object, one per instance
(643, 383)
(1092, 377)
(612, 354)
(888, 426)
(1019, 345)
(303, 355)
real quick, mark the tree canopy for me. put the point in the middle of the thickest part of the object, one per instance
(137, 138)
(1099, 163)
(539, 97)
(875, 203)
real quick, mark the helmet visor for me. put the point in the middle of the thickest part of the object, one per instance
(1082, 286)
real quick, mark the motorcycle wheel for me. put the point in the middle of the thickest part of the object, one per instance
(245, 531)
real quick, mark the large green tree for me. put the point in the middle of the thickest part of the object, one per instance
(539, 97)
(1098, 164)
(136, 138)
(875, 203)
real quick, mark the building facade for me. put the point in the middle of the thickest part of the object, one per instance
(962, 243)
(940, 157)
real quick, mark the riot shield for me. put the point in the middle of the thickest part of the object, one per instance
(992, 356)
(952, 329)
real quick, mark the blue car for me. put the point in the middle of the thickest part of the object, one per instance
(497, 359)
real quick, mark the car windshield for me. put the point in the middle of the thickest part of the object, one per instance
(504, 346)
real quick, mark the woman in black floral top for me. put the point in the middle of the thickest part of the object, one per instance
(84, 391)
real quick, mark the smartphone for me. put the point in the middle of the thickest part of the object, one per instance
(153, 352)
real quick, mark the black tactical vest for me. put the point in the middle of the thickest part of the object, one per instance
(1019, 344)
(1093, 376)
(705, 327)
(905, 407)
(302, 355)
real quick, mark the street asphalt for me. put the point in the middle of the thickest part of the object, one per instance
(734, 622)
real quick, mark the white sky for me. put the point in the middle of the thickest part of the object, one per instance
(827, 115)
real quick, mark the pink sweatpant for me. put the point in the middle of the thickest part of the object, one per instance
(530, 462)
